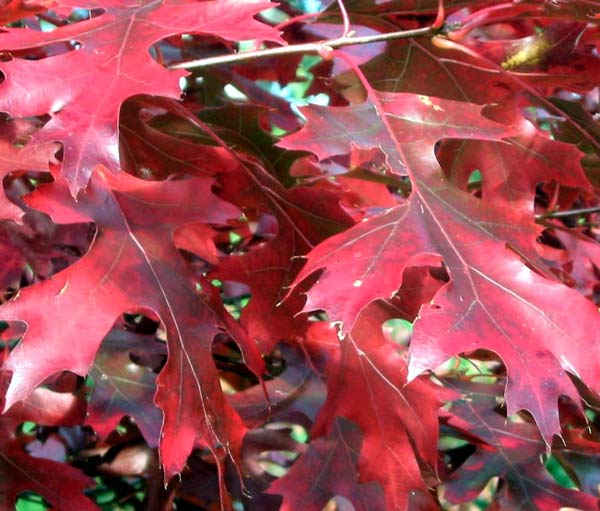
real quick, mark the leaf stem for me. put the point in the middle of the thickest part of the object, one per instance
(568, 213)
(297, 19)
(315, 47)
(345, 18)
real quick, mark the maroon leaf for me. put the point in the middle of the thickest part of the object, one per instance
(493, 301)
(111, 63)
(16, 157)
(132, 266)
(257, 316)
(512, 451)
(149, 147)
(328, 470)
(367, 384)
(122, 387)
(302, 215)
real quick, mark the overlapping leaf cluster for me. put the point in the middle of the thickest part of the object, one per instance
(215, 299)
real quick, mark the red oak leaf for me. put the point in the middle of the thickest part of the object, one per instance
(50, 405)
(297, 389)
(132, 265)
(513, 451)
(268, 269)
(154, 143)
(581, 261)
(436, 216)
(539, 328)
(303, 216)
(367, 384)
(40, 245)
(544, 158)
(14, 156)
(13, 262)
(582, 455)
(328, 470)
(111, 63)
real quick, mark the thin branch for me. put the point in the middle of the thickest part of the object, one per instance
(316, 47)
(568, 213)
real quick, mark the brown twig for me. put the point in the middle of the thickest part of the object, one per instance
(567, 213)
(315, 47)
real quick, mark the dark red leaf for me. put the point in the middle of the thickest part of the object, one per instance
(367, 384)
(133, 266)
(493, 300)
(122, 387)
(512, 451)
(111, 63)
(328, 470)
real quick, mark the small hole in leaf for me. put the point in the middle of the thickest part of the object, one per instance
(30, 501)
(49, 50)
(475, 183)
(475, 178)
(236, 296)
(398, 330)
(28, 427)
(80, 14)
